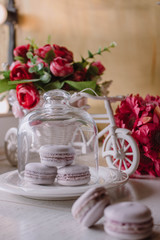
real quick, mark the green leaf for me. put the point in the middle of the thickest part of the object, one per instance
(92, 70)
(83, 59)
(21, 59)
(29, 55)
(23, 81)
(98, 90)
(31, 49)
(79, 86)
(99, 51)
(49, 39)
(6, 74)
(33, 69)
(35, 58)
(39, 66)
(80, 65)
(49, 56)
(106, 49)
(54, 85)
(90, 55)
(45, 78)
(4, 86)
(113, 44)
(32, 42)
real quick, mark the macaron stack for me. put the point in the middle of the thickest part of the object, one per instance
(57, 163)
(125, 220)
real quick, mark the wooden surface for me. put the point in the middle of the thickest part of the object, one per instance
(27, 219)
(134, 65)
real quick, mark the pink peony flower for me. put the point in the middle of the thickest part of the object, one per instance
(127, 114)
(142, 117)
(60, 67)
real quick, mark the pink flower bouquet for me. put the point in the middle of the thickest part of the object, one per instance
(39, 69)
(142, 117)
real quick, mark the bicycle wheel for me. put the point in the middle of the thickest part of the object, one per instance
(127, 158)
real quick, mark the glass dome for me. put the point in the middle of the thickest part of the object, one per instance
(58, 125)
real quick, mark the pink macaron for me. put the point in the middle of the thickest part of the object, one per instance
(73, 175)
(37, 173)
(56, 155)
(89, 207)
(128, 220)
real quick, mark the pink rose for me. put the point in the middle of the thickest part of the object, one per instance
(79, 76)
(60, 67)
(63, 53)
(19, 71)
(99, 66)
(27, 95)
(21, 50)
(42, 51)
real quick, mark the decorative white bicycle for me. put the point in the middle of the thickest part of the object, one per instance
(119, 148)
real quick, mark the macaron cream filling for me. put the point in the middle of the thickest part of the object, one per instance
(34, 174)
(129, 227)
(89, 203)
(69, 177)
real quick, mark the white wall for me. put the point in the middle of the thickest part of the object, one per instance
(6, 122)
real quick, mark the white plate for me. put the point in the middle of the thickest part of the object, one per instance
(10, 182)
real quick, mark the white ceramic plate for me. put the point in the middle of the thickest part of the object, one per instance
(10, 182)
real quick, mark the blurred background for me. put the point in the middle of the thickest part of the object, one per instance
(134, 65)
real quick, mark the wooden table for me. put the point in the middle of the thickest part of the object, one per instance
(27, 219)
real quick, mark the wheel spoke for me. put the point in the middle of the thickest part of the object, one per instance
(118, 143)
(122, 142)
(115, 161)
(125, 165)
(126, 147)
(120, 164)
(121, 152)
(129, 153)
(128, 160)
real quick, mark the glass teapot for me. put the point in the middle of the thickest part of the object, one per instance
(58, 123)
